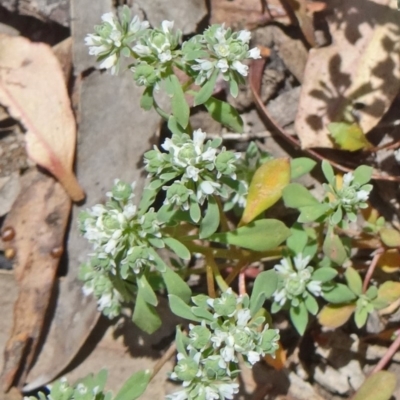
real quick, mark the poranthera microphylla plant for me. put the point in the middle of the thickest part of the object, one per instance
(200, 181)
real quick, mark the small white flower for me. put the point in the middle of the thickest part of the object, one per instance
(109, 18)
(181, 395)
(129, 211)
(228, 390)
(315, 288)
(347, 179)
(165, 56)
(240, 67)
(167, 26)
(253, 357)
(243, 317)
(222, 65)
(136, 25)
(142, 50)
(109, 62)
(104, 301)
(198, 138)
(208, 187)
(254, 53)
(300, 263)
(244, 36)
(192, 173)
(362, 195)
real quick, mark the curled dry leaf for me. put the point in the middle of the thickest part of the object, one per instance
(33, 89)
(246, 13)
(39, 218)
(357, 77)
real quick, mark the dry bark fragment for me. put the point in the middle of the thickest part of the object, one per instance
(39, 218)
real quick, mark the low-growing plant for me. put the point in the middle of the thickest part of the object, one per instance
(199, 182)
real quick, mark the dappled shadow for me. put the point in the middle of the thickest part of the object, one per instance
(337, 98)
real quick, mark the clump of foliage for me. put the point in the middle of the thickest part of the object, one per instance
(200, 181)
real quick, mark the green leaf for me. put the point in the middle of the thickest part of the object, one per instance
(299, 317)
(301, 166)
(160, 264)
(339, 294)
(181, 341)
(181, 309)
(313, 213)
(233, 88)
(328, 172)
(148, 197)
(379, 386)
(210, 223)
(360, 317)
(146, 291)
(296, 195)
(194, 211)
(390, 237)
(174, 127)
(166, 213)
(265, 285)
(176, 285)
(353, 280)
(348, 136)
(362, 174)
(324, 274)
(225, 114)
(311, 304)
(135, 386)
(335, 315)
(206, 90)
(266, 188)
(337, 216)
(203, 314)
(333, 248)
(146, 101)
(145, 315)
(298, 239)
(178, 248)
(260, 235)
(389, 292)
(180, 108)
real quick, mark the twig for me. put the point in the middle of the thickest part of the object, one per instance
(242, 283)
(371, 268)
(165, 357)
(256, 69)
(388, 355)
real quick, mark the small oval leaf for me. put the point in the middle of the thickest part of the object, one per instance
(379, 386)
(335, 315)
(266, 187)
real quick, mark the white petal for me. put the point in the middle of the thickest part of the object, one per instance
(254, 53)
(109, 62)
(222, 65)
(347, 179)
(240, 67)
(198, 137)
(167, 26)
(142, 50)
(244, 36)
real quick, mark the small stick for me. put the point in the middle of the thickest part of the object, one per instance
(388, 355)
(165, 357)
(371, 268)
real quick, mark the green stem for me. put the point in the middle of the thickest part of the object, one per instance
(217, 274)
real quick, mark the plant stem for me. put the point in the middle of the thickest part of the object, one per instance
(371, 268)
(216, 272)
(388, 355)
(165, 357)
(210, 280)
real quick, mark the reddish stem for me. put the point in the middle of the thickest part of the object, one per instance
(388, 355)
(371, 268)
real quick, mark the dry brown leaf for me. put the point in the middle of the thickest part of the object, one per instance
(33, 89)
(246, 13)
(38, 221)
(359, 74)
(298, 9)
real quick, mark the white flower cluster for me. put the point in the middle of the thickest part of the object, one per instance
(123, 242)
(114, 37)
(199, 165)
(209, 365)
(295, 281)
(226, 52)
(351, 194)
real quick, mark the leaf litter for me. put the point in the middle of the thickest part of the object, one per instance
(331, 92)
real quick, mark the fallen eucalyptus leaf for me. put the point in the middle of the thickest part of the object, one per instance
(39, 218)
(33, 89)
(360, 67)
